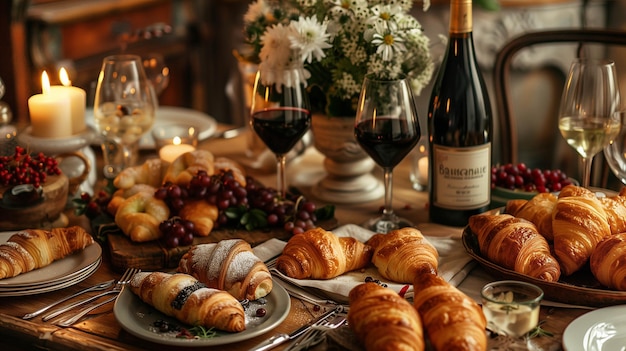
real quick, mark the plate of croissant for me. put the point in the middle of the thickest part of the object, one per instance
(569, 244)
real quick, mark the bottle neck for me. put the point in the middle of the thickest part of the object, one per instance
(460, 16)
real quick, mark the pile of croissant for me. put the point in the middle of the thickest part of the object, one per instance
(553, 235)
(379, 317)
(138, 213)
(208, 286)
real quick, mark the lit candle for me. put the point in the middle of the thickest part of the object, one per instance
(422, 169)
(77, 97)
(171, 152)
(50, 114)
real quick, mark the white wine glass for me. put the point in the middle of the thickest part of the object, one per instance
(589, 116)
(124, 108)
(280, 113)
(387, 128)
(157, 71)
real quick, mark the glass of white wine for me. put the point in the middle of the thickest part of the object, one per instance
(124, 108)
(589, 116)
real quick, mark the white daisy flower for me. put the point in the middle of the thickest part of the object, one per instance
(387, 42)
(310, 38)
(276, 51)
(256, 10)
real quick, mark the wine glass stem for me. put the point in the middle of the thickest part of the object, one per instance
(388, 210)
(281, 176)
(131, 153)
(587, 171)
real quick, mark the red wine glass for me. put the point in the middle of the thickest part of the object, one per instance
(280, 113)
(387, 128)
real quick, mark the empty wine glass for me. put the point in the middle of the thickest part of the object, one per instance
(387, 128)
(124, 109)
(588, 115)
(615, 153)
(157, 71)
(280, 113)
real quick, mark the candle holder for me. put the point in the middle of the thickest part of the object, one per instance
(419, 165)
(173, 140)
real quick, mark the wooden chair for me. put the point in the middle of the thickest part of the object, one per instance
(506, 117)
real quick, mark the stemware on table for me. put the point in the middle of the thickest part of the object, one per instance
(615, 153)
(588, 116)
(387, 128)
(157, 71)
(280, 113)
(124, 108)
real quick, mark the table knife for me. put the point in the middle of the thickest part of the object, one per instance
(279, 339)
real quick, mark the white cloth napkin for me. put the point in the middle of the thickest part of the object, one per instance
(454, 265)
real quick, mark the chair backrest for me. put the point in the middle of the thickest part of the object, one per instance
(507, 123)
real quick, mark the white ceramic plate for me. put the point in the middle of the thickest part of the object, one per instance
(60, 285)
(603, 329)
(58, 271)
(138, 318)
(167, 115)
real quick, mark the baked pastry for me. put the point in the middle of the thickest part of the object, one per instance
(579, 223)
(226, 164)
(150, 172)
(607, 262)
(122, 194)
(187, 165)
(139, 216)
(183, 297)
(201, 213)
(615, 208)
(537, 210)
(382, 320)
(514, 243)
(228, 265)
(320, 254)
(31, 249)
(452, 320)
(402, 254)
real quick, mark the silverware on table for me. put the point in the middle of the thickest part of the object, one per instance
(125, 279)
(68, 322)
(96, 287)
(279, 339)
(317, 333)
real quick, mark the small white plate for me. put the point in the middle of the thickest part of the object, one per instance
(138, 318)
(601, 330)
(206, 124)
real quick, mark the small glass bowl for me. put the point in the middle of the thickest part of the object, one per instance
(511, 307)
(173, 140)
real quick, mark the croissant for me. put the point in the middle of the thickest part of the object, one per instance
(31, 249)
(607, 262)
(183, 297)
(202, 214)
(515, 243)
(452, 320)
(228, 265)
(402, 254)
(187, 165)
(150, 172)
(382, 320)
(615, 208)
(320, 254)
(139, 216)
(122, 194)
(537, 210)
(579, 223)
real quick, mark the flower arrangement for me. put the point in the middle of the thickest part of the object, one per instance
(338, 42)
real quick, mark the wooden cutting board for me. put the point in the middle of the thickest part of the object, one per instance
(155, 256)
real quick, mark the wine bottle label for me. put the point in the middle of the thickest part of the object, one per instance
(462, 177)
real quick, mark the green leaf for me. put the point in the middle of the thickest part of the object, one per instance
(326, 212)
(491, 5)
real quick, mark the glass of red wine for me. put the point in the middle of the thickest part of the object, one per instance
(387, 128)
(280, 113)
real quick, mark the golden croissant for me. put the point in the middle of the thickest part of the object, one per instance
(320, 254)
(183, 297)
(228, 265)
(452, 320)
(402, 254)
(537, 210)
(514, 243)
(579, 223)
(384, 321)
(31, 249)
(607, 262)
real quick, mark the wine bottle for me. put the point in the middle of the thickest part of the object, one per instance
(459, 126)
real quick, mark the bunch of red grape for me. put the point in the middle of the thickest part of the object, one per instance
(22, 168)
(177, 231)
(521, 177)
(252, 206)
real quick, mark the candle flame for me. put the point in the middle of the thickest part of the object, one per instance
(176, 141)
(64, 77)
(45, 83)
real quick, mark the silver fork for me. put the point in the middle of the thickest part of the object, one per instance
(125, 279)
(317, 333)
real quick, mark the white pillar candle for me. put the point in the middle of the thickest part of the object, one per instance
(171, 152)
(422, 167)
(50, 113)
(78, 98)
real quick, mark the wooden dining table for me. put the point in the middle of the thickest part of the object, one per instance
(101, 331)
